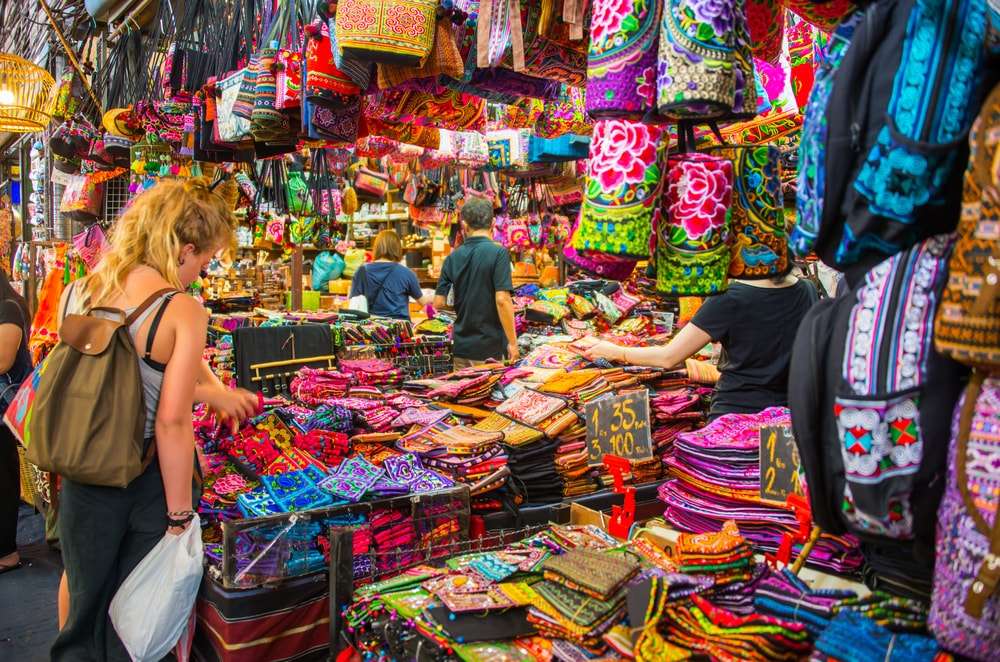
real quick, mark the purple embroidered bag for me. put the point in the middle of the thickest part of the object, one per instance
(965, 605)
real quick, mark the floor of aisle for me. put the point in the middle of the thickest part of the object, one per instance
(28, 595)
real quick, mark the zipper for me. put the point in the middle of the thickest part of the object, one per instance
(884, 357)
(949, 32)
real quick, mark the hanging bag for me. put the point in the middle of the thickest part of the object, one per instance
(965, 607)
(387, 31)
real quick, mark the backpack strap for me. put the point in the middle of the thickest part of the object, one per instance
(146, 304)
(988, 575)
(151, 335)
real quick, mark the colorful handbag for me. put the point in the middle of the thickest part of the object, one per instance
(91, 245)
(300, 203)
(326, 85)
(757, 218)
(507, 148)
(229, 127)
(965, 605)
(566, 114)
(387, 31)
(621, 61)
(83, 196)
(443, 109)
(692, 256)
(967, 327)
(621, 196)
(444, 60)
(695, 77)
(371, 182)
(597, 264)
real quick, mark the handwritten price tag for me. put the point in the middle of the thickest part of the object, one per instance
(779, 464)
(619, 425)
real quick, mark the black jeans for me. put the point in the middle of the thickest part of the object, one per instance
(105, 532)
(10, 491)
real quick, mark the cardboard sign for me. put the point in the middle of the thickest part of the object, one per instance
(779, 464)
(619, 425)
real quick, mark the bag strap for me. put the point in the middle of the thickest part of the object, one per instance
(155, 326)
(129, 320)
(988, 575)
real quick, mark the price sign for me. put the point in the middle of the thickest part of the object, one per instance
(619, 425)
(779, 464)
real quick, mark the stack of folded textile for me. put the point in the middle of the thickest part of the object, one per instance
(715, 476)
(572, 462)
(851, 637)
(394, 539)
(674, 411)
(531, 457)
(314, 387)
(372, 372)
(724, 554)
(471, 386)
(784, 595)
(694, 627)
(463, 453)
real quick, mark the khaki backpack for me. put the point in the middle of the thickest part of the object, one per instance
(89, 414)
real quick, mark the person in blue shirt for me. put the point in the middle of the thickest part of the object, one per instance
(385, 283)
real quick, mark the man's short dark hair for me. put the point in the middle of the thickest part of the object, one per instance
(478, 214)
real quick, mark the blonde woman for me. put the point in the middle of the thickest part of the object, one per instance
(386, 284)
(160, 246)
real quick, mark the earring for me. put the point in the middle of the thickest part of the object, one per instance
(180, 262)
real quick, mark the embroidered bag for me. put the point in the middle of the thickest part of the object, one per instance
(372, 182)
(91, 244)
(326, 84)
(757, 218)
(565, 114)
(624, 179)
(692, 254)
(965, 606)
(893, 158)
(444, 60)
(695, 75)
(386, 31)
(810, 190)
(443, 108)
(886, 446)
(967, 327)
(83, 197)
(300, 203)
(621, 61)
(601, 265)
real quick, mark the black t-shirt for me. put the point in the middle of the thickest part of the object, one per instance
(756, 327)
(388, 286)
(478, 269)
(10, 313)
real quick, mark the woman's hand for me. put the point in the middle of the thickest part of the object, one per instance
(605, 350)
(232, 405)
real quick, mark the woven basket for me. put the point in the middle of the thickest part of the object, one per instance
(24, 90)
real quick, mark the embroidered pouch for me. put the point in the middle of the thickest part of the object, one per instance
(624, 179)
(695, 75)
(621, 61)
(530, 407)
(387, 31)
(692, 257)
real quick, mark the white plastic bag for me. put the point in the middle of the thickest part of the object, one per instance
(359, 302)
(151, 608)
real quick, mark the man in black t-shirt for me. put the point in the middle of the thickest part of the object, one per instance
(479, 271)
(755, 322)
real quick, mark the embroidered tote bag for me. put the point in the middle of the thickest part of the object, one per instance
(622, 191)
(692, 254)
(621, 61)
(965, 606)
(387, 31)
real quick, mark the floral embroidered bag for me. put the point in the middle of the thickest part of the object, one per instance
(621, 61)
(386, 31)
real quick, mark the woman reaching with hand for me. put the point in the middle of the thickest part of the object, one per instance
(755, 322)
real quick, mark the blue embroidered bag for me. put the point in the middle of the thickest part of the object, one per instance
(898, 116)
